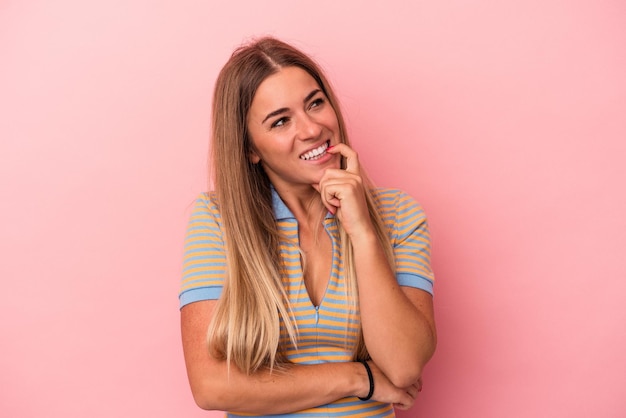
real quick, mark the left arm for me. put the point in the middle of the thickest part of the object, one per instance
(398, 322)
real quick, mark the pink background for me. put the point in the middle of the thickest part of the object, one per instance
(505, 119)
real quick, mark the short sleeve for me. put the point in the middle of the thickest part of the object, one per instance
(410, 238)
(204, 259)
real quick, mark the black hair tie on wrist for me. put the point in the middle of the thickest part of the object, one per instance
(371, 378)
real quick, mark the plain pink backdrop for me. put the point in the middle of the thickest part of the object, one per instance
(506, 120)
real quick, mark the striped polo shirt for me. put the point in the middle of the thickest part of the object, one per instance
(328, 332)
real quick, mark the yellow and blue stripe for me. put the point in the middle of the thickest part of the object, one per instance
(328, 332)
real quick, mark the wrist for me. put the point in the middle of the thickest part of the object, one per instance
(370, 382)
(360, 381)
(364, 236)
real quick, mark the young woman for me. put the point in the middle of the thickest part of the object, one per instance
(305, 291)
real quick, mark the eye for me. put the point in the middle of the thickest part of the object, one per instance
(317, 103)
(279, 122)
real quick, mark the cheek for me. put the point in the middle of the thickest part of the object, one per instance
(270, 144)
(259, 140)
(331, 119)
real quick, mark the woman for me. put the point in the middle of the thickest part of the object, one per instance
(305, 291)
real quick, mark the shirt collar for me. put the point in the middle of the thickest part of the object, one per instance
(281, 211)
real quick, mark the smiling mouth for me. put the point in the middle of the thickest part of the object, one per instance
(316, 153)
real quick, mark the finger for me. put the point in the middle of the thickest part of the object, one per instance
(329, 201)
(405, 400)
(413, 391)
(352, 159)
(336, 176)
(404, 405)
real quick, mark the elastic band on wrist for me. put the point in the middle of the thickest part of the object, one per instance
(371, 378)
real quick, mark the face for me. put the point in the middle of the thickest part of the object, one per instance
(291, 123)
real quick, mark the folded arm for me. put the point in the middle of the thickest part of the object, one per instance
(216, 387)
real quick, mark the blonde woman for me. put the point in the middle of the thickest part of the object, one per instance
(305, 291)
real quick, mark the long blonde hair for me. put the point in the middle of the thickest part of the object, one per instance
(245, 329)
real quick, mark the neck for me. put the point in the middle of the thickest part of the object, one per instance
(305, 203)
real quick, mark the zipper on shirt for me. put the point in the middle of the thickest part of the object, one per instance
(317, 315)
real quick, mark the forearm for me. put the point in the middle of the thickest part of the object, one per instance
(399, 335)
(216, 386)
(297, 388)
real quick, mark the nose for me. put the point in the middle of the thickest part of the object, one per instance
(308, 127)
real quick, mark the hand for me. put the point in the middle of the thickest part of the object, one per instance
(343, 193)
(385, 391)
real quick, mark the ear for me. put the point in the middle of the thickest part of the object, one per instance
(254, 157)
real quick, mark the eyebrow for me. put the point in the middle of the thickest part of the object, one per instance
(284, 109)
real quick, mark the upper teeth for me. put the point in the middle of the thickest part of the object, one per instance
(315, 152)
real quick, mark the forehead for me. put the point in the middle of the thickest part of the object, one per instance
(286, 88)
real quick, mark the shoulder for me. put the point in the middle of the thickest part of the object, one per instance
(392, 201)
(207, 199)
(206, 203)
(205, 213)
(400, 212)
